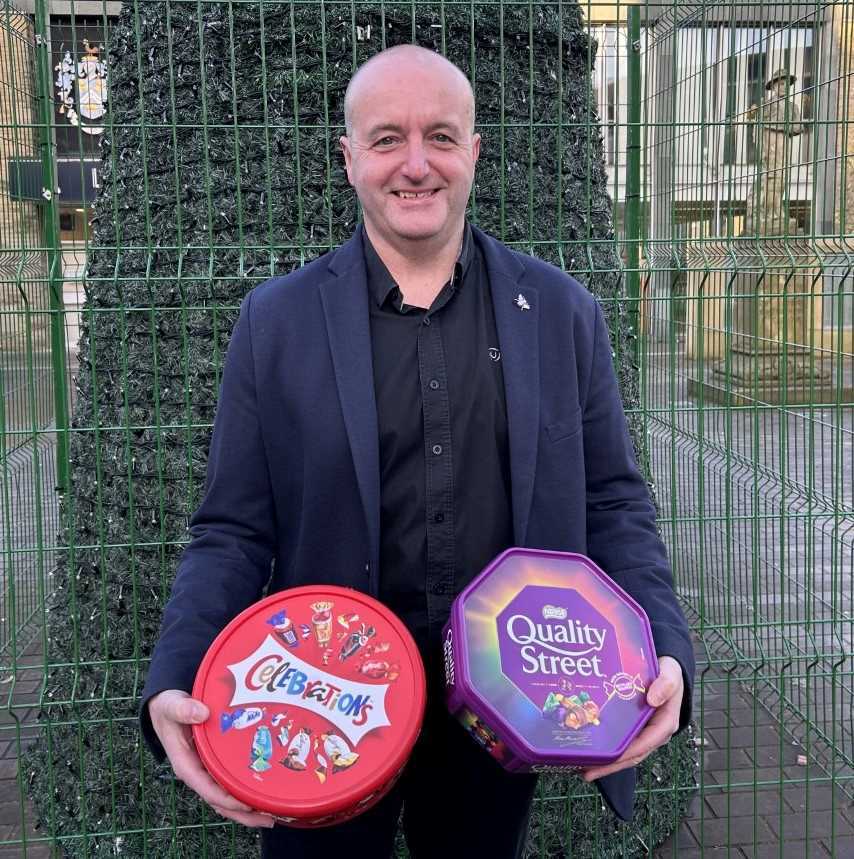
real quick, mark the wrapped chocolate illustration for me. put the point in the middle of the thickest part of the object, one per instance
(547, 662)
(298, 750)
(284, 628)
(240, 718)
(317, 696)
(262, 750)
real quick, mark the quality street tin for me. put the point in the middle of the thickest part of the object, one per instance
(317, 696)
(547, 662)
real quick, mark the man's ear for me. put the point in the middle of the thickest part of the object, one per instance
(475, 147)
(344, 143)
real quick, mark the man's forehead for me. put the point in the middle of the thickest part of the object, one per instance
(423, 82)
(400, 82)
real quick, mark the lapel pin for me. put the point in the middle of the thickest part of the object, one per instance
(522, 302)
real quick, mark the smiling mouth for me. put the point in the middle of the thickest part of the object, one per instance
(415, 195)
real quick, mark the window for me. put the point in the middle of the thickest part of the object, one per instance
(757, 74)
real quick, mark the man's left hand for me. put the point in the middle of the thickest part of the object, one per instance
(665, 694)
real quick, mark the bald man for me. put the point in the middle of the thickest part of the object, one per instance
(392, 416)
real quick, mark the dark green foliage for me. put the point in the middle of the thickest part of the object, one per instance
(209, 188)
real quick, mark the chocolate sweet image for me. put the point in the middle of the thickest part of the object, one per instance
(296, 733)
(549, 659)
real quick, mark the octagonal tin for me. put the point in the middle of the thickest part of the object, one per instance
(317, 696)
(547, 662)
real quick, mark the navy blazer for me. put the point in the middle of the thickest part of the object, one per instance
(293, 473)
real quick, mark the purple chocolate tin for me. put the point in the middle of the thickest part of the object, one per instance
(547, 662)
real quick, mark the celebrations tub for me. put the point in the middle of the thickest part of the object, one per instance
(317, 696)
(547, 662)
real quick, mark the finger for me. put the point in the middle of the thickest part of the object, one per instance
(188, 769)
(601, 772)
(657, 732)
(245, 818)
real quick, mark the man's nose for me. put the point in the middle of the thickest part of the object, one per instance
(416, 166)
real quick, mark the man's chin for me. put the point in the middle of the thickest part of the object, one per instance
(417, 231)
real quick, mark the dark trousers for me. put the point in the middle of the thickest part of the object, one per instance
(457, 802)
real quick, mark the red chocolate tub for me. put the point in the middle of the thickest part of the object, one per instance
(317, 696)
(547, 662)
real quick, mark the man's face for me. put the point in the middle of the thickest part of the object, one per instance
(411, 135)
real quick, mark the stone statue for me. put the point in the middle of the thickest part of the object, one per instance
(779, 121)
(773, 354)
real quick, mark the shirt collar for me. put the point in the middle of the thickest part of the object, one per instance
(380, 281)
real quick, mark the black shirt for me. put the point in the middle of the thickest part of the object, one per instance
(445, 506)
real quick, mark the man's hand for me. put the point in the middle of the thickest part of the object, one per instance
(665, 694)
(172, 712)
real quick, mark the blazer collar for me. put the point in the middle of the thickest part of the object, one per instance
(344, 297)
(517, 317)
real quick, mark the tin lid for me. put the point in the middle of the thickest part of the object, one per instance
(556, 657)
(317, 696)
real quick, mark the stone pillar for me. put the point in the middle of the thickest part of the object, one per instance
(842, 23)
(661, 258)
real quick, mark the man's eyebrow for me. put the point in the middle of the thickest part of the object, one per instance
(398, 129)
(383, 126)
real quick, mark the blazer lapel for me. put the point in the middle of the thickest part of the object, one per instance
(345, 304)
(517, 319)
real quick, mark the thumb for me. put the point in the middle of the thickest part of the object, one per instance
(192, 711)
(664, 687)
(177, 706)
(657, 694)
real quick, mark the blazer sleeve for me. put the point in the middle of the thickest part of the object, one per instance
(227, 562)
(622, 535)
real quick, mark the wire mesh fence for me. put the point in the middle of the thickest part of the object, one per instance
(688, 161)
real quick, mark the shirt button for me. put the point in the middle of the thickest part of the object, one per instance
(426, 320)
(439, 517)
(438, 589)
(437, 449)
(434, 385)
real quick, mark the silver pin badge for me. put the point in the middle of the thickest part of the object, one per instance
(522, 302)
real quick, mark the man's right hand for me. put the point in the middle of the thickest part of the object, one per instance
(172, 713)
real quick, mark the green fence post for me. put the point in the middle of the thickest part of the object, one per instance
(50, 230)
(633, 176)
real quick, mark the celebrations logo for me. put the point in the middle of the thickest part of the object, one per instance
(273, 674)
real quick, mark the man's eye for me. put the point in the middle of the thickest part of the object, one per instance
(385, 141)
(442, 138)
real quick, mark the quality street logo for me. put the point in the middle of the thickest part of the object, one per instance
(274, 675)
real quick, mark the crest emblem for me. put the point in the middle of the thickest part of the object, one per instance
(89, 103)
(522, 302)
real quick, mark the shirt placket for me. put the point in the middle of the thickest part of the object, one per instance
(439, 472)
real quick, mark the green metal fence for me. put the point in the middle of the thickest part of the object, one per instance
(29, 351)
(749, 391)
(733, 215)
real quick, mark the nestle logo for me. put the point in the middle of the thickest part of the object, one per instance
(554, 612)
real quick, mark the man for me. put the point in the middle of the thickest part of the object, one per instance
(391, 417)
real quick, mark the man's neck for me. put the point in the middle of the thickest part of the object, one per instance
(420, 269)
